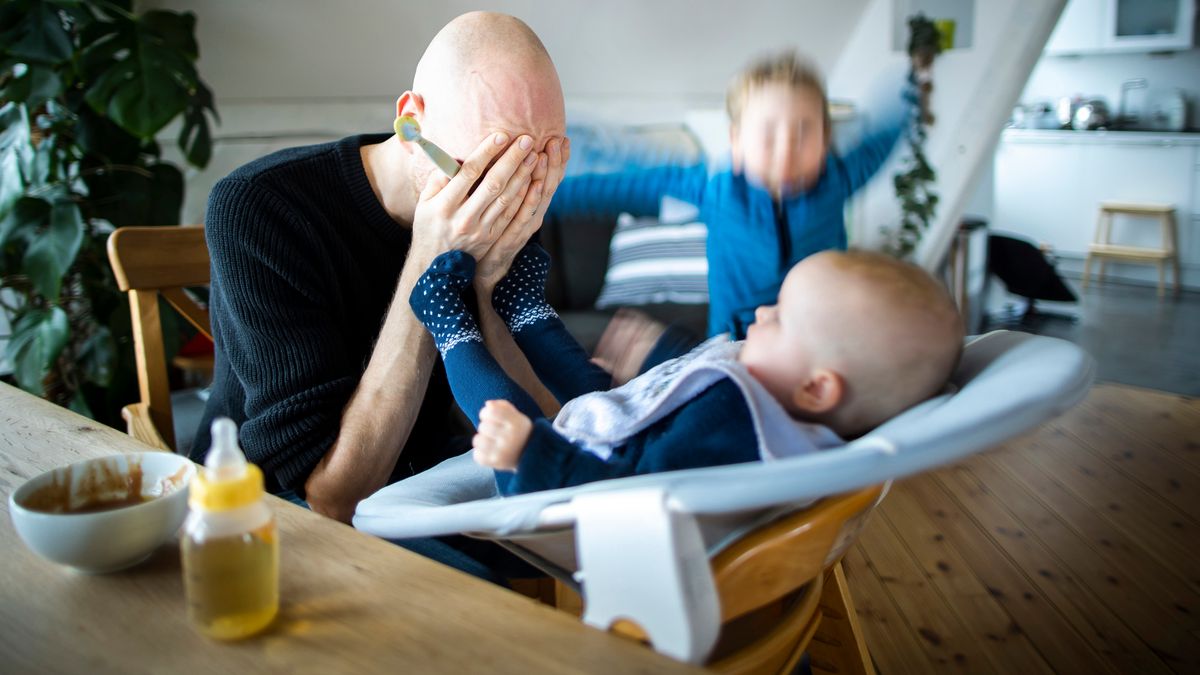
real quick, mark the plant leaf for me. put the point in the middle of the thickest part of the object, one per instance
(51, 253)
(127, 198)
(26, 217)
(176, 31)
(105, 141)
(16, 153)
(33, 86)
(97, 357)
(40, 36)
(145, 90)
(194, 138)
(38, 337)
(78, 404)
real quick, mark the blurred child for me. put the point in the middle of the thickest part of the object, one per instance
(781, 197)
(814, 369)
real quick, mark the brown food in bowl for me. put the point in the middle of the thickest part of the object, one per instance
(103, 488)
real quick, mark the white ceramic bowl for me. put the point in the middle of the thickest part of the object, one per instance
(111, 539)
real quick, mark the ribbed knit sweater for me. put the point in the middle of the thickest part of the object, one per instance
(305, 262)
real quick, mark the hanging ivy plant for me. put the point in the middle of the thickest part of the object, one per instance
(918, 201)
(85, 85)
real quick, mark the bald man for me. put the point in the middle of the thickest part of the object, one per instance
(335, 385)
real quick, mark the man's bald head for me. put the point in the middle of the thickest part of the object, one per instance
(485, 72)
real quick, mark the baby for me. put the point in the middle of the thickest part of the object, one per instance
(780, 199)
(855, 339)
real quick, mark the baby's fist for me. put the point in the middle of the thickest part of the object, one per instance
(502, 435)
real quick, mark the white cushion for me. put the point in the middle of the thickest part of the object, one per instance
(651, 261)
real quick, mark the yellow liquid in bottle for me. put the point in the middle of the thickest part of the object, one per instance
(232, 583)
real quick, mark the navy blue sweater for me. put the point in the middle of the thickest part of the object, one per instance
(305, 262)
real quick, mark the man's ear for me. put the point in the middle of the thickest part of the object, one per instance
(410, 103)
(821, 393)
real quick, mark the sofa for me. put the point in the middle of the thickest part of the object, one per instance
(579, 244)
(579, 249)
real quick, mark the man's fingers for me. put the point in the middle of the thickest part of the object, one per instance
(433, 185)
(475, 165)
(512, 211)
(500, 212)
(498, 177)
(539, 172)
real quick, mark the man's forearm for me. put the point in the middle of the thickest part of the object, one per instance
(380, 415)
(504, 349)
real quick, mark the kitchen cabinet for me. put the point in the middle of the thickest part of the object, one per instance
(1080, 28)
(1108, 26)
(1049, 184)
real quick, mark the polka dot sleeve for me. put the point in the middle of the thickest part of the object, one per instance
(520, 297)
(437, 301)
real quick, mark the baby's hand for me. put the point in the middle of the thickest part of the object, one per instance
(503, 433)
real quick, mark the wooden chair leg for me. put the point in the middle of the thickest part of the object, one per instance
(1087, 271)
(1162, 274)
(838, 645)
(1173, 230)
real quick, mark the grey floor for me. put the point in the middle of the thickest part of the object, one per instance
(1136, 337)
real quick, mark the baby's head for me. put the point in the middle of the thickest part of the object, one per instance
(855, 339)
(779, 124)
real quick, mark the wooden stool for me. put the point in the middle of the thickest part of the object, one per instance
(1104, 250)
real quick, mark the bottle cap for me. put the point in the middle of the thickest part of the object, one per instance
(227, 480)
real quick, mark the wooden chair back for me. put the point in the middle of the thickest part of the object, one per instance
(149, 263)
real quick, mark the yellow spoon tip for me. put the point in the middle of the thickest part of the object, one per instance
(406, 127)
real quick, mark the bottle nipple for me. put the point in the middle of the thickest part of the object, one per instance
(228, 480)
(225, 460)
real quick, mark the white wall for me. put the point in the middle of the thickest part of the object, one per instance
(288, 72)
(306, 49)
(974, 91)
(1102, 75)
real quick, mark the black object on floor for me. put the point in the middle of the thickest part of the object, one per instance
(1027, 272)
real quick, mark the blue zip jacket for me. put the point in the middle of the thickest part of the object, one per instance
(752, 240)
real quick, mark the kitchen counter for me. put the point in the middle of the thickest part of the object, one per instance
(1161, 138)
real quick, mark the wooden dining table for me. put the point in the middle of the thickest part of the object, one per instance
(349, 602)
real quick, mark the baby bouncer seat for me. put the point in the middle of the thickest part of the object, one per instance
(737, 567)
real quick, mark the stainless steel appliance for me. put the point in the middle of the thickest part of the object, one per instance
(1090, 114)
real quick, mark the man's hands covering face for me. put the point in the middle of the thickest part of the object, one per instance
(449, 216)
(546, 177)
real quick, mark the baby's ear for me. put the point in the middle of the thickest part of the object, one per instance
(821, 393)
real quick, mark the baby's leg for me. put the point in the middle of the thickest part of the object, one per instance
(475, 376)
(556, 357)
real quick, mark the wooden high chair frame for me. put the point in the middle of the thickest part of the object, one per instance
(149, 263)
(782, 593)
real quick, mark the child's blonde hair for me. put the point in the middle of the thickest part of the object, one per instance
(786, 68)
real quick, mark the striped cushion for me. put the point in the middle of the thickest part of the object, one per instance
(653, 262)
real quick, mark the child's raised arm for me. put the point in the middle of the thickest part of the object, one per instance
(892, 103)
(638, 191)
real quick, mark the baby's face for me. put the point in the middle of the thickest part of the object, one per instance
(780, 140)
(776, 349)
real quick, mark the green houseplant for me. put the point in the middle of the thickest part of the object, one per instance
(85, 86)
(913, 184)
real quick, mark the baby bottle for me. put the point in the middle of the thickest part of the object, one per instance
(230, 547)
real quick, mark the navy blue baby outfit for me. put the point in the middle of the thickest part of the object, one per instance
(712, 429)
